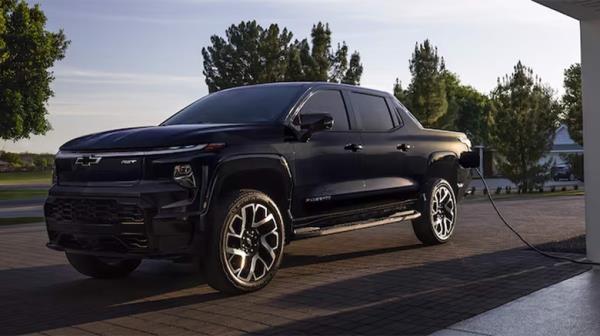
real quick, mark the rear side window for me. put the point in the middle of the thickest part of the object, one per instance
(397, 117)
(373, 112)
(328, 101)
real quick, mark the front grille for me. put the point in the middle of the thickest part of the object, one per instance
(92, 211)
(100, 224)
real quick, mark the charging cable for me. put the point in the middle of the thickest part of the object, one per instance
(511, 228)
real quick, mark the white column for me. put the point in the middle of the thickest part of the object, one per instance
(590, 60)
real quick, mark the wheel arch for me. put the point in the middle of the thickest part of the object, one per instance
(269, 173)
(443, 164)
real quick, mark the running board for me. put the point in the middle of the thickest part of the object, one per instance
(309, 232)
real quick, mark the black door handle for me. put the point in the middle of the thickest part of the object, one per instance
(353, 147)
(403, 147)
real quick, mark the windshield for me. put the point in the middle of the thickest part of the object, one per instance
(254, 104)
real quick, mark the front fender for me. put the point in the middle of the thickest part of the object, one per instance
(275, 165)
(446, 164)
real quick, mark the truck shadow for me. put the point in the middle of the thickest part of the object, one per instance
(49, 297)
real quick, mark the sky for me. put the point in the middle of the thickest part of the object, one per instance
(136, 62)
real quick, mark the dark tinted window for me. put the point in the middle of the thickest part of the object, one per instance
(373, 112)
(404, 113)
(328, 101)
(397, 117)
(240, 105)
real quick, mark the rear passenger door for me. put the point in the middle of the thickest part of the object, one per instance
(385, 147)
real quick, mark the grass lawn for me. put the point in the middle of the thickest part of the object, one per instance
(35, 177)
(20, 220)
(22, 194)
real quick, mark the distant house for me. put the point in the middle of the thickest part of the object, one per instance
(562, 145)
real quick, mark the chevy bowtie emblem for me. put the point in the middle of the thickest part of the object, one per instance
(87, 161)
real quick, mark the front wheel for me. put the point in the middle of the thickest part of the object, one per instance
(102, 268)
(246, 242)
(439, 213)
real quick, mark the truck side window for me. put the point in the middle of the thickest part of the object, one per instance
(328, 101)
(373, 112)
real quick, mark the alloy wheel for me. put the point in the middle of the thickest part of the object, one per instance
(251, 243)
(443, 212)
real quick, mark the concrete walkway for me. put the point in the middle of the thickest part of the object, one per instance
(571, 307)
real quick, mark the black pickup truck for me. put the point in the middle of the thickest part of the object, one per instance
(235, 176)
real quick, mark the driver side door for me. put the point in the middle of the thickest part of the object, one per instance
(328, 171)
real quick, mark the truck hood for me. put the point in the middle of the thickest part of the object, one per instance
(158, 136)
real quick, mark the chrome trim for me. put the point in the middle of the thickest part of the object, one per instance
(68, 154)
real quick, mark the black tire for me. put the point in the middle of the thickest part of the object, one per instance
(102, 268)
(226, 225)
(427, 227)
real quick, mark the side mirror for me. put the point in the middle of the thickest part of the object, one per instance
(469, 159)
(311, 123)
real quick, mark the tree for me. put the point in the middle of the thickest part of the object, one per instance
(355, 70)
(427, 91)
(13, 159)
(469, 111)
(27, 52)
(453, 89)
(525, 118)
(571, 102)
(321, 52)
(452, 105)
(400, 93)
(250, 54)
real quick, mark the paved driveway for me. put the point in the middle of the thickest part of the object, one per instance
(22, 208)
(377, 281)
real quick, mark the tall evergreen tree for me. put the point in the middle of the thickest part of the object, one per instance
(427, 91)
(250, 54)
(571, 101)
(27, 52)
(321, 51)
(339, 64)
(355, 70)
(525, 116)
(273, 50)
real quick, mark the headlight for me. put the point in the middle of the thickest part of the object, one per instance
(465, 140)
(183, 174)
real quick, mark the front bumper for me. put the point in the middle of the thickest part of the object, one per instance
(149, 219)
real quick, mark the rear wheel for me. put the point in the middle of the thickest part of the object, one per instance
(439, 213)
(102, 268)
(246, 242)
